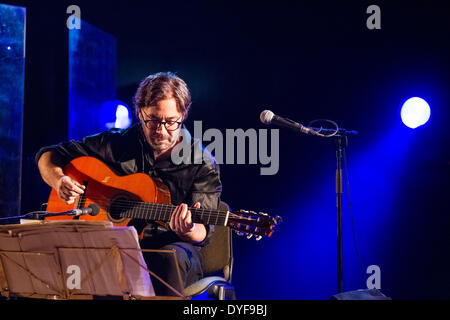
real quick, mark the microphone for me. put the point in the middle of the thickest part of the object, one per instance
(92, 210)
(268, 117)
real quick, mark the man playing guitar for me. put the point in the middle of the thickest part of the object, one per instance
(162, 103)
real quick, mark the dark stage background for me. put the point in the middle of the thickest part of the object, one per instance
(304, 60)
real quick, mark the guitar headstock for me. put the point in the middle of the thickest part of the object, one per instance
(250, 223)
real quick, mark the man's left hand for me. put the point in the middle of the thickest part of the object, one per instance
(181, 223)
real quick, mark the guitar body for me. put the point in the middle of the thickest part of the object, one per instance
(108, 190)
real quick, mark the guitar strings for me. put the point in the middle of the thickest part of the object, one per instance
(142, 209)
(125, 204)
(166, 209)
(153, 207)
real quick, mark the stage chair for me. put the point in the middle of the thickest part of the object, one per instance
(217, 259)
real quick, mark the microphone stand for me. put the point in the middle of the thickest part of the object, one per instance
(341, 142)
(38, 215)
(340, 135)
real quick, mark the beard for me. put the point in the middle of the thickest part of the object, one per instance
(161, 143)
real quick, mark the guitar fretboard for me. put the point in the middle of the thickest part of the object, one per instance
(163, 212)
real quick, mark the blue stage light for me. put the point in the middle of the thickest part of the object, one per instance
(115, 114)
(415, 112)
(123, 119)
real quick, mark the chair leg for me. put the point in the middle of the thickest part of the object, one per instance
(221, 294)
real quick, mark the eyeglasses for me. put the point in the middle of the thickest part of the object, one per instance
(169, 125)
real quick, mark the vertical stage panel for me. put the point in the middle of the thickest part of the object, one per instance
(92, 78)
(12, 77)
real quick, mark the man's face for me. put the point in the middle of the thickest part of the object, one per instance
(158, 137)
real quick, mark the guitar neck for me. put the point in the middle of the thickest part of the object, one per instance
(163, 212)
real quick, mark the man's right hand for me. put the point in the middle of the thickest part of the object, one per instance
(68, 189)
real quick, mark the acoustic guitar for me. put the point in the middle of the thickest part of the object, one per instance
(137, 198)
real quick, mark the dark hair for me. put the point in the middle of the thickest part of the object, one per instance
(161, 86)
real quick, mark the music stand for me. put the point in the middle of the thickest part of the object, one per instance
(73, 259)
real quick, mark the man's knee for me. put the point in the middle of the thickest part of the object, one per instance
(183, 255)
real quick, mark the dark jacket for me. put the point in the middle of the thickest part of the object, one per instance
(126, 151)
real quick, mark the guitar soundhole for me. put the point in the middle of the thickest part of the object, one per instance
(118, 208)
